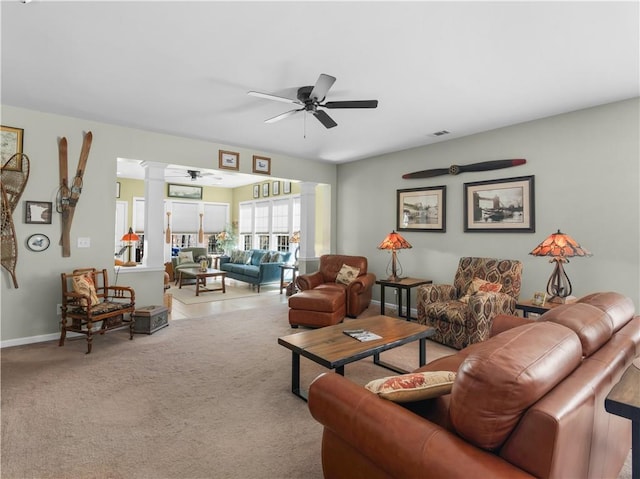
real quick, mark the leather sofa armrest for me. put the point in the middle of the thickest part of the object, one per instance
(361, 284)
(309, 281)
(394, 439)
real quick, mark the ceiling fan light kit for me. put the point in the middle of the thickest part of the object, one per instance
(310, 98)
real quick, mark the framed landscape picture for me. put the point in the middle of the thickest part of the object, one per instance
(504, 205)
(422, 209)
(184, 191)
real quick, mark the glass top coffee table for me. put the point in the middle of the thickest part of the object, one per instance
(201, 278)
(332, 348)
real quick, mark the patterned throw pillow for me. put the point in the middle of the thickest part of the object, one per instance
(266, 258)
(185, 257)
(480, 286)
(413, 386)
(276, 257)
(83, 284)
(347, 274)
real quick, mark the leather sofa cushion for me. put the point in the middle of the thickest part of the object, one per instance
(592, 325)
(619, 308)
(501, 377)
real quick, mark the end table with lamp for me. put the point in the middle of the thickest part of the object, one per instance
(394, 242)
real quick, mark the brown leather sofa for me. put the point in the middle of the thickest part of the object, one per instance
(528, 402)
(358, 293)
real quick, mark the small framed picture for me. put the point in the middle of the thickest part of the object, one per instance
(275, 188)
(38, 212)
(228, 160)
(261, 164)
(117, 189)
(265, 190)
(539, 298)
(256, 191)
(286, 187)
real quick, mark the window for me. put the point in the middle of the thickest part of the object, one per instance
(269, 224)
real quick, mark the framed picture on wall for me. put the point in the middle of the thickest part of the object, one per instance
(261, 164)
(228, 160)
(38, 212)
(184, 191)
(286, 187)
(275, 188)
(265, 190)
(256, 191)
(117, 189)
(422, 209)
(11, 143)
(503, 205)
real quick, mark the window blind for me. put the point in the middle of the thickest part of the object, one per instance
(185, 217)
(215, 217)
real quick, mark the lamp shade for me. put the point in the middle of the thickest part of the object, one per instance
(130, 236)
(394, 241)
(559, 245)
(295, 238)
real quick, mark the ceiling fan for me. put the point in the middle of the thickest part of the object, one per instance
(310, 99)
(191, 174)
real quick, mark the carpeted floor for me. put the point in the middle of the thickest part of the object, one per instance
(203, 398)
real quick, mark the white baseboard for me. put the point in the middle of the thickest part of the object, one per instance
(35, 339)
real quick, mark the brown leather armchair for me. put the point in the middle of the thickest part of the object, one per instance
(358, 293)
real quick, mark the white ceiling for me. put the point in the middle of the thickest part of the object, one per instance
(185, 68)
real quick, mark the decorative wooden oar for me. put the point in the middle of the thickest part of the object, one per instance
(167, 233)
(201, 231)
(457, 169)
(76, 189)
(14, 175)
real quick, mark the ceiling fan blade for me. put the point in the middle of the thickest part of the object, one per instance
(268, 96)
(322, 87)
(282, 116)
(456, 169)
(352, 104)
(325, 119)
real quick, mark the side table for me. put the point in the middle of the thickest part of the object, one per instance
(528, 307)
(624, 401)
(294, 272)
(403, 284)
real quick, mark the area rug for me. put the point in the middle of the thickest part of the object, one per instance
(234, 290)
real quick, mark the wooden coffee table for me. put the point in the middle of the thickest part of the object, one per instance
(331, 348)
(201, 278)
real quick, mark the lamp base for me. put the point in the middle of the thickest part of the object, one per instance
(565, 300)
(395, 279)
(130, 263)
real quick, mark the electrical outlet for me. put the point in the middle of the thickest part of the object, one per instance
(58, 309)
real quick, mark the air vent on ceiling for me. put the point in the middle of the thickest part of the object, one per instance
(440, 133)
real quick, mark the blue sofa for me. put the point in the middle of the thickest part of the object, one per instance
(255, 266)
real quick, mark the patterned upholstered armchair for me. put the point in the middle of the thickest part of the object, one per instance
(462, 313)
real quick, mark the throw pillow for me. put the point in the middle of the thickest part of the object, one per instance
(479, 285)
(413, 386)
(83, 284)
(266, 258)
(347, 274)
(276, 258)
(185, 257)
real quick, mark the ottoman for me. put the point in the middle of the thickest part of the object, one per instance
(316, 309)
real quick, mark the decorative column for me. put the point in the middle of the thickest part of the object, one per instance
(307, 256)
(153, 214)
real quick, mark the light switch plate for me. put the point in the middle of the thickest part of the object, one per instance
(84, 242)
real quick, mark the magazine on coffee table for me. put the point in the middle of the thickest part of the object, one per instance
(361, 334)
